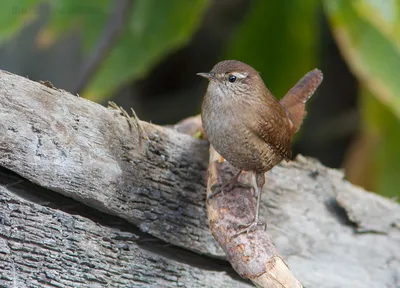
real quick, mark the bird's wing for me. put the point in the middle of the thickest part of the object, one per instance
(271, 125)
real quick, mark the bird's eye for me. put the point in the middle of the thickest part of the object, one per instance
(232, 78)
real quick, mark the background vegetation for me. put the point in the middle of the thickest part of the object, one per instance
(145, 53)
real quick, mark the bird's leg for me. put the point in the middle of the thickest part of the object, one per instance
(229, 184)
(260, 180)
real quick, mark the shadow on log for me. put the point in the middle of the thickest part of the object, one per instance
(330, 233)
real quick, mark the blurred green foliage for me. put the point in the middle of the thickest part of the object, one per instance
(14, 15)
(284, 59)
(382, 127)
(89, 16)
(367, 33)
(156, 28)
(374, 56)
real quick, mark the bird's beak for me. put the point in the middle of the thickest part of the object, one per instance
(209, 76)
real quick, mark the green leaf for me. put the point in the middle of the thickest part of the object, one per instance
(383, 15)
(14, 15)
(370, 48)
(89, 17)
(382, 128)
(156, 28)
(278, 38)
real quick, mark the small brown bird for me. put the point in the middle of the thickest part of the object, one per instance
(246, 124)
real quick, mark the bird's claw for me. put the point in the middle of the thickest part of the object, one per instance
(228, 187)
(215, 192)
(249, 227)
(230, 184)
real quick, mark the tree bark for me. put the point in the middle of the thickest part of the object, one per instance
(42, 246)
(330, 233)
(252, 255)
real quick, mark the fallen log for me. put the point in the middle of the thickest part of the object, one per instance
(329, 232)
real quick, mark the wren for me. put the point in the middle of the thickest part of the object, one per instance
(247, 125)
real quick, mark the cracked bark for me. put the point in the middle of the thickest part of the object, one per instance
(330, 233)
(42, 246)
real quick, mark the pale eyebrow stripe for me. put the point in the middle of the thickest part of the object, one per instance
(240, 75)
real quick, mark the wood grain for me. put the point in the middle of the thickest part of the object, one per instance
(329, 232)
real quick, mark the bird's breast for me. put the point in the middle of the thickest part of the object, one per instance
(228, 133)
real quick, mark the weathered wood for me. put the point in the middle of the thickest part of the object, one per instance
(45, 247)
(252, 255)
(89, 153)
(85, 151)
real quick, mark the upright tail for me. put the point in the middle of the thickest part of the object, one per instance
(295, 100)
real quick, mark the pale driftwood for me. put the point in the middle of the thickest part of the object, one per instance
(252, 255)
(89, 153)
(45, 247)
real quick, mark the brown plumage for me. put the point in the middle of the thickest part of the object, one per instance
(246, 124)
(295, 100)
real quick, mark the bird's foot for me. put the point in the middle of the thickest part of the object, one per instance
(215, 192)
(228, 187)
(248, 227)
